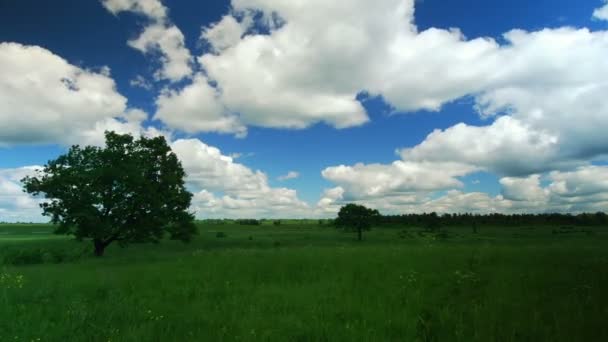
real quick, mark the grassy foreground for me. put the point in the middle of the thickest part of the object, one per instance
(307, 283)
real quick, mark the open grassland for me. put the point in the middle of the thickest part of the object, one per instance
(303, 282)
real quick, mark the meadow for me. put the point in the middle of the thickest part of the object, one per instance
(301, 281)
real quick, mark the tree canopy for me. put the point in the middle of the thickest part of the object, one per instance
(129, 191)
(355, 217)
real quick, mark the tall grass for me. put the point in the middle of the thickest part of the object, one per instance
(317, 284)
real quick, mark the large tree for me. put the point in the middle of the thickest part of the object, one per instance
(129, 191)
(355, 217)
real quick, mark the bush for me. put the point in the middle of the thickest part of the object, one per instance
(24, 257)
(34, 256)
(220, 235)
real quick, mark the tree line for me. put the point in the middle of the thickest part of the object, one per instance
(495, 219)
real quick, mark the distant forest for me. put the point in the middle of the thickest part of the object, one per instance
(446, 220)
(585, 219)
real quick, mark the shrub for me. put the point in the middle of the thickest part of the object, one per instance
(24, 257)
(35, 256)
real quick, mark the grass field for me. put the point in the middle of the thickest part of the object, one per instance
(303, 282)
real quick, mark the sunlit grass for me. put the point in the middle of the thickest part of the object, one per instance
(308, 283)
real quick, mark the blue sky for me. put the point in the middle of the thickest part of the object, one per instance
(363, 138)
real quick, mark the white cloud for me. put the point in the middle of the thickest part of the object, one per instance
(183, 110)
(47, 100)
(159, 37)
(508, 146)
(15, 205)
(225, 33)
(150, 8)
(310, 68)
(584, 189)
(523, 189)
(140, 82)
(167, 40)
(402, 186)
(221, 187)
(224, 188)
(455, 201)
(289, 175)
(401, 177)
(602, 12)
(583, 182)
(131, 122)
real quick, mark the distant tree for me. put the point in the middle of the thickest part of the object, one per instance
(248, 222)
(432, 222)
(129, 191)
(357, 218)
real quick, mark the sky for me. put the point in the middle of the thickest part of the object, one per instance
(293, 109)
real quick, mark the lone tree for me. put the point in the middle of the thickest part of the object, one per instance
(357, 218)
(130, 191)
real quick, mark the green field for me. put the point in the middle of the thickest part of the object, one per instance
(303, 282)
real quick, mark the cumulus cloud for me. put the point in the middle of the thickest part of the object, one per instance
(169, 41)
(131, 122)
(150, 8)
(547, 96)
(526, 189)
(225, 33)
(584, 189)
(402, 186)
(15, 205)
(224, 188)
(45, 99)
(400, 177)
(182, 109)
(508, 146)
(602, 12)
(315, 57)
(160, 37)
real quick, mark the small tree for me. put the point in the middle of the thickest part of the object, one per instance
(129, 191)
(357, 218)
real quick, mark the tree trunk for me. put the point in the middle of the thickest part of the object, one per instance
(100, 247)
